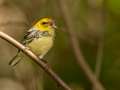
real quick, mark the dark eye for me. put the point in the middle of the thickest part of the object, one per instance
(44, 23)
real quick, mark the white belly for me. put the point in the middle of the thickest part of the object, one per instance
(41, 46)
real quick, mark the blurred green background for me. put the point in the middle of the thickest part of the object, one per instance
(95, 22)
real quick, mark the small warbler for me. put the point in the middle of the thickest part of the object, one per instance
(38, 39)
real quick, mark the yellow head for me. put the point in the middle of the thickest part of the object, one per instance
(45, 24)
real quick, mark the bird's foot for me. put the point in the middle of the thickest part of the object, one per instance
(46, 63)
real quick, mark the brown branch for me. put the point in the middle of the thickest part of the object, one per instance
(44, 66)
(75, 45)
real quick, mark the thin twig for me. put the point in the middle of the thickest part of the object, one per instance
(99, 57)
(75, 45)
(42, 64)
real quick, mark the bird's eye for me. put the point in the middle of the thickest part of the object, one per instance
(44, 23)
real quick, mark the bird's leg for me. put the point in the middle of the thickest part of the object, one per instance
(46, 63)
(41, 58)
(44, 60)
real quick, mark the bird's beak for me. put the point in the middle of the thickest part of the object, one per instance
(54, 26)
(52, 23)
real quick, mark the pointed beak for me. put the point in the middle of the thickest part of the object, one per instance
(54, 26)
(52, 23)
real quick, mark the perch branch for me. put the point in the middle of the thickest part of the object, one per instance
(44, 66)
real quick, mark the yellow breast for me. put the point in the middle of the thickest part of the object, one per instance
(41, 46)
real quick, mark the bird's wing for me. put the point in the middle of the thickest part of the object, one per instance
(30, 35)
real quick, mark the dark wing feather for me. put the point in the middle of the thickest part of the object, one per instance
(29, 36)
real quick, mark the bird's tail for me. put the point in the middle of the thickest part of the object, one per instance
(15, 60)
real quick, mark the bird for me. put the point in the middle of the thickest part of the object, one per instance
(39, 39)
